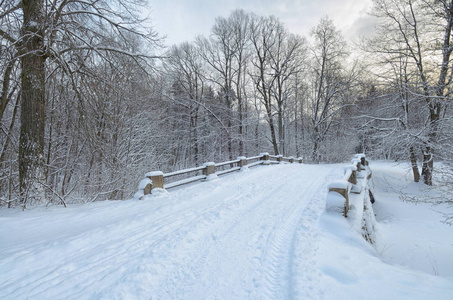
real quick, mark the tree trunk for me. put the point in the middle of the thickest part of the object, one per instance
(281, 132)
(414, 165)
(272, 129)
(315, 154)
(241, 127)
(428, 166)
(31, 141)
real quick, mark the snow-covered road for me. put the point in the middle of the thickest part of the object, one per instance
(242, 236)
(257, 234)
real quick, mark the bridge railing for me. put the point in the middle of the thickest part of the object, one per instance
(358, 169)
(158, 179)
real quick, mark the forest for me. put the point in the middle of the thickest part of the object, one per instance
(91, 99)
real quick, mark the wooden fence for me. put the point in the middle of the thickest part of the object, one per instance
(160, 180)
(359, 169)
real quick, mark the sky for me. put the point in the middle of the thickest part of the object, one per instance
(183, 20)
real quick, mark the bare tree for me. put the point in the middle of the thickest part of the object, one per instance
(424, 28)
(68, 34)
(185, 67)
(287, 60)
(329, 80)
(263, 37)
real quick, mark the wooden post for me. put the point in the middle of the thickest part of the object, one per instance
(291, 159)
(279, 158)
(242, 161)
(265, 158)
(157, 179)
(299, 159)
(209, 168)
(353, 178)
(147, 189)
(363, 161)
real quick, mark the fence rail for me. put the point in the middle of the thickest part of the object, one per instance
(157, 179)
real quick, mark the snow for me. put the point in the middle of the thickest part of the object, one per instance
(350, 168)
(154, 173)
(339, 184)
(261, 234)
(359, 155)
(212, 176)
(355, 161)
(179, 172)
(139, 194)
(335, 202)
(143, 183)
(414, 236)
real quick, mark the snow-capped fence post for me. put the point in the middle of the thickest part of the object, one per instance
(299, 159)
(157, 179)
(209, 168)
(242, 161)
(265, 158)
(291, 159)
(279, 158)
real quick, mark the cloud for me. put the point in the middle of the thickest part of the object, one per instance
(184, 20)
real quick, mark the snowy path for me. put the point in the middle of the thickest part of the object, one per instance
(249, 235)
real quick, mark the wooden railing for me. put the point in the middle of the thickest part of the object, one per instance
(160, 180)
(358, 169)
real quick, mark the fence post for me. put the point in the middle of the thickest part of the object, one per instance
(265, 158)
(209, 168)
(242, 161)
(353, 177)
(363, 161)
(279, 158)
(147, 189)
(299, 159)
(291, 159)
(357, 163)
(157, 179)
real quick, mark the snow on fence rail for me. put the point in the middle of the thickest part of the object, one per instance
(158, 179)
(359, 169)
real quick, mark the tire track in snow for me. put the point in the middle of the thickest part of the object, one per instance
(242, 206)
(281, 248)
(268, 247)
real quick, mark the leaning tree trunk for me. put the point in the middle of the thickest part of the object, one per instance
(31, 140)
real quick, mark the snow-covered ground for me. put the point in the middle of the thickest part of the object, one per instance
(257, 234)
